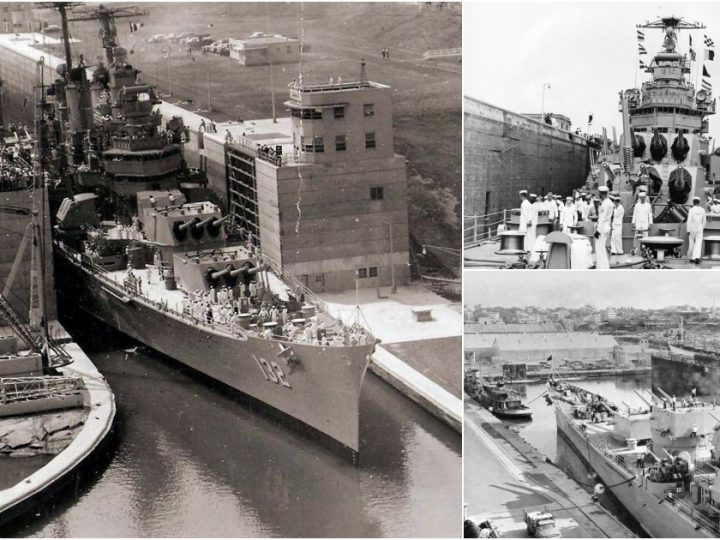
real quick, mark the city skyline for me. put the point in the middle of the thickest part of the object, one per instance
(570, 289)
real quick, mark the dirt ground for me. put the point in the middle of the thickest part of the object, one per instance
(427, 94)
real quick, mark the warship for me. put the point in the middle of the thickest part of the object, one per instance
(137, 247)
(688, 364)
(664, 150)
(659, 462)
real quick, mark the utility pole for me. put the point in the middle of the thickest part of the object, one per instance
(542, 110)
(208, 87)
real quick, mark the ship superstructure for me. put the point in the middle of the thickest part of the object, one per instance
(662, 468)
(665, 126)
(664, 150)
(137, 250)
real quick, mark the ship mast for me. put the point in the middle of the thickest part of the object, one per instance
(39, 228)
(108, 30)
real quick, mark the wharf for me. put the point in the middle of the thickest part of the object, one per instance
(419, 358)
(505, 475)
(560, 375)
(100, 403)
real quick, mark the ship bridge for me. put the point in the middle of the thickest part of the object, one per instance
(668, 102)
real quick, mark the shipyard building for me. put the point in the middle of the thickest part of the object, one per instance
(322, 190)
(505, 152)
(261, 49)
(535, 348)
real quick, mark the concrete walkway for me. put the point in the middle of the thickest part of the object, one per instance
(390, 317)
(101, 404)
(504, 475)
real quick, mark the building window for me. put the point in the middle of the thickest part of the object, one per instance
(307, 114)
(373, 271)
(318, 278)
(369, 109)
(377, 193)
(362, 273)
(317, 145)
(370, 140)
(339, 112)
(340, 143)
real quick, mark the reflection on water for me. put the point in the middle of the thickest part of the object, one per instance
(541, 432)
(191, 460)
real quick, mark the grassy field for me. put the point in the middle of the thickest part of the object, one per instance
(426, 94)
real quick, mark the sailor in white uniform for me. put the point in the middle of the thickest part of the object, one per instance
(642, 217)
(568, 216)
(525, 218)
(532, 226)
(616, 247)
(551, 207)
(695, 224)
(602, 230)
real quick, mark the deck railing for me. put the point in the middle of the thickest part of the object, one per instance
(682, 505)
(364, 337)
(478, 229)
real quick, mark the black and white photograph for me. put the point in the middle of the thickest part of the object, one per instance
(590, 136)
(230, 269)
(591, 404)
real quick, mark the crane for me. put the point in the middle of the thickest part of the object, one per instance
(108, 30)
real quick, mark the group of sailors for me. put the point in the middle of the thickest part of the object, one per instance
(13, 171)
(608, 212)
(271, 319)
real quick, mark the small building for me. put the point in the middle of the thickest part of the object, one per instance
(261, 49)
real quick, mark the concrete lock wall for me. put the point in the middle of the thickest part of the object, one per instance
(12, 229)
(340, 228)
(17, 74)
(505, 152)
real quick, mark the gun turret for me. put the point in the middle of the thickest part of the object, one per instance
(187, 224)
(221, 273)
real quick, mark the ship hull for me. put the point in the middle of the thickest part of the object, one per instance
(658, 520)
(321, 390)
(679, 378)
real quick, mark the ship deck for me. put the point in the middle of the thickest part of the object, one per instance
(485, 255)
(176, 302)
(600, 434)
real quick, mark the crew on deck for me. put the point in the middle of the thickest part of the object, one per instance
(616, 246)
(642, 217)
(602, 230)
(525, 219)
(696, 220)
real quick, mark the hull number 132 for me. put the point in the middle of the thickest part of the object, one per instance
(272, 371)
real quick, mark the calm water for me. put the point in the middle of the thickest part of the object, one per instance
(192, 460)
(541, 432)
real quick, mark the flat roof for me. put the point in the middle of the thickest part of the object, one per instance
(26, 44)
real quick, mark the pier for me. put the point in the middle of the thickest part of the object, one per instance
(420, 341)
(505, 475)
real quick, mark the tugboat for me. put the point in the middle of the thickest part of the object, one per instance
(137, 250)
(664, 151)
(503, 402)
